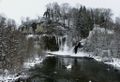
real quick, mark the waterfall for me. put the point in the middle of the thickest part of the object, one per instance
(62, 43)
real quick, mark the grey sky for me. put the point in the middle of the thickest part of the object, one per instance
(16, 9)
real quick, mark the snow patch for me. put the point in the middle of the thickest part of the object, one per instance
(69, 66)
(115, 63)
(110, 31)
(68, 53)
(30, 64)
(11, 78)
(30, 36)
(100, 30)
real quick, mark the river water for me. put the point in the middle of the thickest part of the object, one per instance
(56, 68)
(72, 69)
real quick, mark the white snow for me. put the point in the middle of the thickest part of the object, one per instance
(50, 55)
(31, 63)
(29, 36)
(90, 81)
(115, 63)
(69, 66)
(100, 30)
(10, 78)
(68, 53)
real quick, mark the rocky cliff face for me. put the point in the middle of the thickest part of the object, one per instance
(103, 42)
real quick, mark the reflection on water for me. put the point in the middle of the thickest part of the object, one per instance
(54, 69)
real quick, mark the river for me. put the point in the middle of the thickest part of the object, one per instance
(72, 69)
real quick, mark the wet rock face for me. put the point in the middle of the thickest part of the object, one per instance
(50, 43)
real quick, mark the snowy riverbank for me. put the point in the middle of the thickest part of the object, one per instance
(115, 62)
(6, 77)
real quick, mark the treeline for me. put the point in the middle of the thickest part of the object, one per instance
(81, 19)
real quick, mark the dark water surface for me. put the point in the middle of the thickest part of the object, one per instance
(54, 69)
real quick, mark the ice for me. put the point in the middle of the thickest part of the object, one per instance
(110, 31)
